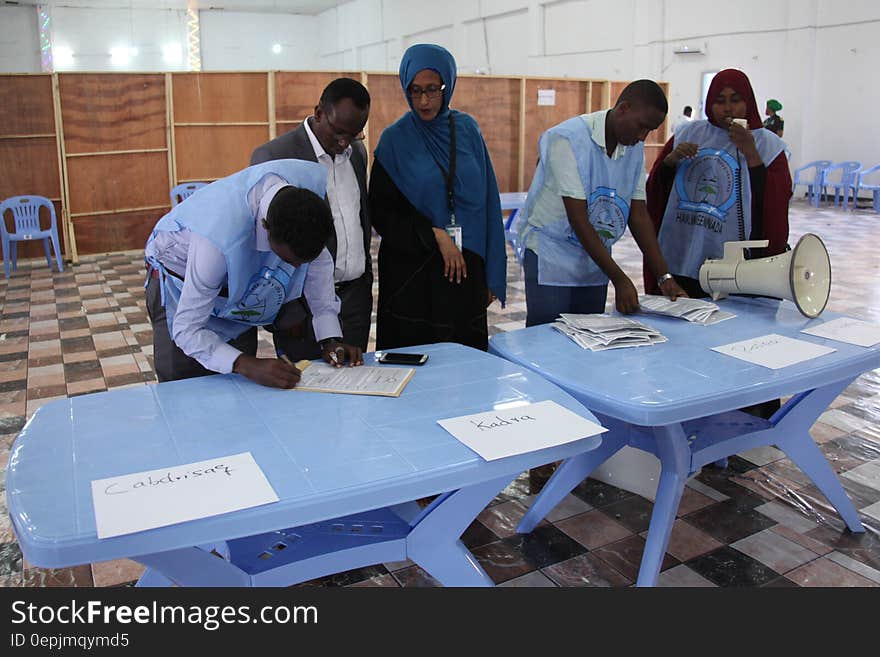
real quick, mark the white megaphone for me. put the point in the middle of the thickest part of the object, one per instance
(802, 275)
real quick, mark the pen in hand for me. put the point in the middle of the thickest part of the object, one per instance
(337, 356)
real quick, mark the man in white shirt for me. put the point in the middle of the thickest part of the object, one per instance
(331, 137)
(233, 257)
(684, 118)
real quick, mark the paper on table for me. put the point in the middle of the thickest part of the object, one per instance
(361, 380)
(847, 329)
(519, 430)
(774, 351)
(156, 498)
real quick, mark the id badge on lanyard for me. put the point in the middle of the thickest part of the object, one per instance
(454, 231)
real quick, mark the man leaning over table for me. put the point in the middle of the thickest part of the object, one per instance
(236, 255)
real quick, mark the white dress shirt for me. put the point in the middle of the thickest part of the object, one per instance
(344, 196)
(205, 274)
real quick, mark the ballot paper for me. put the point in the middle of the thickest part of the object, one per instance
(698, 311)
(600, 332)
(362, 380)
(847, 329)
(774, 351)
(498, 433)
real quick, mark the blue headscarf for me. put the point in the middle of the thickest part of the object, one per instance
(411, 149)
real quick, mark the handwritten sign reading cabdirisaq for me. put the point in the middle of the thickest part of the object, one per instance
(156, 498)
(519, 430)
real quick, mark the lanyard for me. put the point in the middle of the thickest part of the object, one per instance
(449, 176)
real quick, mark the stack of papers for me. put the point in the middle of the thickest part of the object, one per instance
(600, 332)
(698, 311)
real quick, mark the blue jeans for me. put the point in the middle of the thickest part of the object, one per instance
(544, 303)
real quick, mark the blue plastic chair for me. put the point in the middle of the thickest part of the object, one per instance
(183, 191)
(849, 173)
(514, 201)
(26, 214)
(871, 187)
(812, 182)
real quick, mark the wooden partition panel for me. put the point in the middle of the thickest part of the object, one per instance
(571, 100)
(298, 92)
(116, 156)
(218, 119)
(388, 104)
(494, 103)
(29, 148)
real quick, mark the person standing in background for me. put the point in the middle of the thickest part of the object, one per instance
(774, 123)
(331, 137)
(684, 118)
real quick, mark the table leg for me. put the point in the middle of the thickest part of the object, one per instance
(191, 567)
(153, 579)
(434, 542)
(797, 443)
(567, 476)
(675, 458)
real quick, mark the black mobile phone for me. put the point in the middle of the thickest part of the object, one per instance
(398, 358)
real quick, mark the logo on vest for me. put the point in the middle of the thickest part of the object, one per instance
(263, 297)
(707, 183)
(608, 214)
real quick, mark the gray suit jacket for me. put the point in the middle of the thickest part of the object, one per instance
(296, 145)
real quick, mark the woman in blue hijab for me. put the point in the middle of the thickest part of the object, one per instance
(434, 201)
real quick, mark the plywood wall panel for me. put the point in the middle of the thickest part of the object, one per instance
(102, 183)
(388, 104)
(494, 103)
(220, 97)
(211, 152)
(27, 107)
(116, 232)
(297, 93)
(571, 98)
(112, 112)
(30, 166)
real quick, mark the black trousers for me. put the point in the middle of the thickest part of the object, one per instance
(295, 334)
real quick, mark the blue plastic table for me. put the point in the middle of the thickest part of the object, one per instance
(345, 467)
(678, 400)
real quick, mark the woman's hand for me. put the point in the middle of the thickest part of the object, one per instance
(454, 268)
(489, 297)
(743, 139)
(683, 151)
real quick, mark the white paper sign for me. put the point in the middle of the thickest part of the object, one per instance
(774, 351)
(846, 329)
(156, 498)
(519, 430)
(546, 96)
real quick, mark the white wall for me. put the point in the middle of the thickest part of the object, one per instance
(816, 56)
(233, 41)
(92, 33)
(19, 40)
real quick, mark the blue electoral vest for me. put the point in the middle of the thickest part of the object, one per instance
(711, 199)
(259, 282)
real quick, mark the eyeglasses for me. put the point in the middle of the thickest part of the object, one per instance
(432, 92)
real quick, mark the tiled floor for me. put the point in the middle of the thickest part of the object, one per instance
(757, 523)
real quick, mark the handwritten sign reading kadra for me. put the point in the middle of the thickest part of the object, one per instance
(519, 430)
